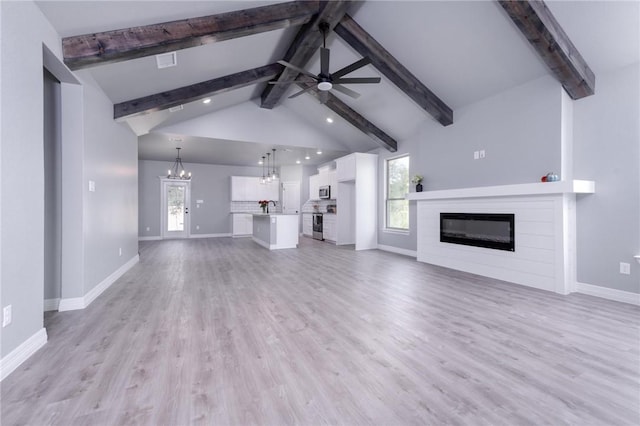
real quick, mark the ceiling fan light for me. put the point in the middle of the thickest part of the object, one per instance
(325, 86)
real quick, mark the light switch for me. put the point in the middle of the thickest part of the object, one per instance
(92, 186)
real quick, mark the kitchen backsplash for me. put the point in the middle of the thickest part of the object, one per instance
(313, 206)
(250, 207)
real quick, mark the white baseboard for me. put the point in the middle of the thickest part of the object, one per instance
(51, 304)
(392, 249)
(74, 303)
(608, 293)
(209, 235)
(149, 238)
(16, 357)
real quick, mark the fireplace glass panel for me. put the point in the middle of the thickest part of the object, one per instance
(494, 231)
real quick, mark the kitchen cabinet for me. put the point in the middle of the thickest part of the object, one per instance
(357, 219)
(307, 224)
(333, 183)
(242, 225)
(346, 168)
(249, 188)
(314, 187)
(329, 227)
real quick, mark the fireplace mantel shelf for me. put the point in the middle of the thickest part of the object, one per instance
(525, 189)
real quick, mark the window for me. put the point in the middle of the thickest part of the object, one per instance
(397, 186)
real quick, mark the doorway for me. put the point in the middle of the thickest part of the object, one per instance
(176, 196)
(52, 149)
(291, 197)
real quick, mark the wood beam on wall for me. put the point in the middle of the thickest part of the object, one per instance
(304, 46)
(387, 64)
(352, 116)
(194, 92)
(121, 45)
(542, 30)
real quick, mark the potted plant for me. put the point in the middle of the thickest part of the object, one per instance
(417, 179)
(265, 205)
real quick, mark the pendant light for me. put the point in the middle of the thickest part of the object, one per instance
(264, 178)
(177, 170)
(268, 167)
(274, 175)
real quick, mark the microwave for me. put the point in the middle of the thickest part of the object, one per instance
(325, 192)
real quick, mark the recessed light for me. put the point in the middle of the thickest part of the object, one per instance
(175, 139)
(297, 161)
(306, 157)
(260, 162)
(206, 101)
(319, 152)
(176, 108)
(329, 120)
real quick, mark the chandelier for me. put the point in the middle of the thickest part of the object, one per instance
(177, 170)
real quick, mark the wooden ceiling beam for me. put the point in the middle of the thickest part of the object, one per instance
(121, 45)
(542, 30)
(194, 92)
(301, 50)
(387, 64)
(353, 117)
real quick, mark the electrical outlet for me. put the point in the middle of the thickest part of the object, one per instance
(482, 153)
(476, 155)
(197, 226)
(148, 229)
(6, 316)
(92, 186)
(625, 268)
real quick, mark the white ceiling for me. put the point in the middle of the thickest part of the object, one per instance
(463, 51)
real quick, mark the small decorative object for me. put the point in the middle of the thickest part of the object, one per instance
(543, 178)
(264, 204)
(552, 177)
(417, 179)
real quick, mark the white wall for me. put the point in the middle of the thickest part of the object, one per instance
(97, 148)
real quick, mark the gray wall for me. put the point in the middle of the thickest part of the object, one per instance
(210, 183)
(607, 150)
(110, 214)
(95, 147)
(22, 207)
(521, 131)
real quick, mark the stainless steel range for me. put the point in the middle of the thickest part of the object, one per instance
(317, 226)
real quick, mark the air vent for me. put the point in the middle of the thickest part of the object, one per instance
(176, 108)
(166, 60)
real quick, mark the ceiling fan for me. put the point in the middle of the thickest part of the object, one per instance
(326, 80)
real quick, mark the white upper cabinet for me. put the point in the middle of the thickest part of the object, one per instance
(314, 187)
(249, 188)
(333, 183)
(346, 168)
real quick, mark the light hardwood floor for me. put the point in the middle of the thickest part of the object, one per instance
(223, 332)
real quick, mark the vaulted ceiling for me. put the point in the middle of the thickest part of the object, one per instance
(432, 56)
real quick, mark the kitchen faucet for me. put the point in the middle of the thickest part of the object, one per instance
(270, 201)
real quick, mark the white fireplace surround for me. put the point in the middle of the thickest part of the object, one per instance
(545, 255)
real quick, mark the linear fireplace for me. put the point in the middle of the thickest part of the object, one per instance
(495, 231)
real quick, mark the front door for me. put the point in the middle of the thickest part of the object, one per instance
(175, 208)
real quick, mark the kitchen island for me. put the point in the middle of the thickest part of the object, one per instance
(276, 231)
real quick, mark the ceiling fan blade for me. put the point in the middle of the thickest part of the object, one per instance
(324, 96)
(357, 80)
(324, 61)
(350, 68)
(283, 82)
(300, 70)
(301, 92)
(348, 92)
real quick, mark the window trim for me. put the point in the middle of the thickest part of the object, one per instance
(386, 227)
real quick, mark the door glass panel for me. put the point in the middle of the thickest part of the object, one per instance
(175, 208)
